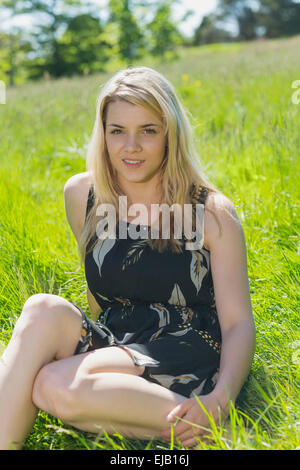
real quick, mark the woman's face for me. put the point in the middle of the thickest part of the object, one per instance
(134, 134)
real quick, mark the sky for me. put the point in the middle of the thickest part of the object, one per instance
(199, 7)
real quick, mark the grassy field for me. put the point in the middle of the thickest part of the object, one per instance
(247, 132)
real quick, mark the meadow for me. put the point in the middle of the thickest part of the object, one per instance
(239, 99)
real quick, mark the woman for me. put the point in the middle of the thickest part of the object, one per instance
(178, 316)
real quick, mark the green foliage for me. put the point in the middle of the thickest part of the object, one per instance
(163, 33)
(279, 17)
(269, 18)
(207, 32)
(82, 48)
(46, 54)
(13, 50)
(66, 41)
(130, 37)
(68, 44)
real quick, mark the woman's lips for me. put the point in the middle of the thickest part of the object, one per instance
(134, 164)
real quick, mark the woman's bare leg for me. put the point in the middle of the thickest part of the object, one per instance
(103, 389)
(48, 328)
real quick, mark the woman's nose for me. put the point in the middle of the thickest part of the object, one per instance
(132, 143)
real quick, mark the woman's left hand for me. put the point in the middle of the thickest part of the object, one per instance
(190, 410)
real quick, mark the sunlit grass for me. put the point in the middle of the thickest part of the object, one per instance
(238, 97)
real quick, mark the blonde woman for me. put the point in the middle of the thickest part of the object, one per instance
(171, 321)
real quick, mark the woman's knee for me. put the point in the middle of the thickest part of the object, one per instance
(56, 393)
(46, 310)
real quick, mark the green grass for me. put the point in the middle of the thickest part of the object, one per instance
(247, 132)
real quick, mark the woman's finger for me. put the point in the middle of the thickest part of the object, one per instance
(178, 429)
(178, 411)
(190, 442)
(184, 437)
(191, 432)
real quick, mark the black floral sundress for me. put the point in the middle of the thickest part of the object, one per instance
(159, 306)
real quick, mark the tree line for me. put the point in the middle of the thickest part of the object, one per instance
(253, 19)
(70, 37)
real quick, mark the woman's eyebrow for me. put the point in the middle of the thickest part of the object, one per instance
(143, 125)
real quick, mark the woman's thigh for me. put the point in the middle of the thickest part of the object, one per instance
(107, 359)
(104, 388)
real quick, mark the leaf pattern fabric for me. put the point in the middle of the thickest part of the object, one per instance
(177, 297)
(101, 250)
(159, 306)
(198, 270)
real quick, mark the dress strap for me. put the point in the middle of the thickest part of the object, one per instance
(90, 200)
(198, 194)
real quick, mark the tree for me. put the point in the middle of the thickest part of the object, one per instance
(279, 17)
(13, 50)
(163, 32)
(208, 32)
(56, 15)
(274, 18)
(248, 23)
(244, 14)
(82, 48)
(130, 38)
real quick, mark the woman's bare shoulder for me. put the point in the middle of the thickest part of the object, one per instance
(76, 192)
(220, 215)
(78, 180)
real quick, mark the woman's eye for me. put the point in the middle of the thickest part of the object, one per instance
(150, 131)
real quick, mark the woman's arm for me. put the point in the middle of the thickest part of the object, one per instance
(231, 286)
(76, 192)
(229, 271)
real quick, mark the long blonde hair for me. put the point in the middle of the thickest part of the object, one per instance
(181, 167)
